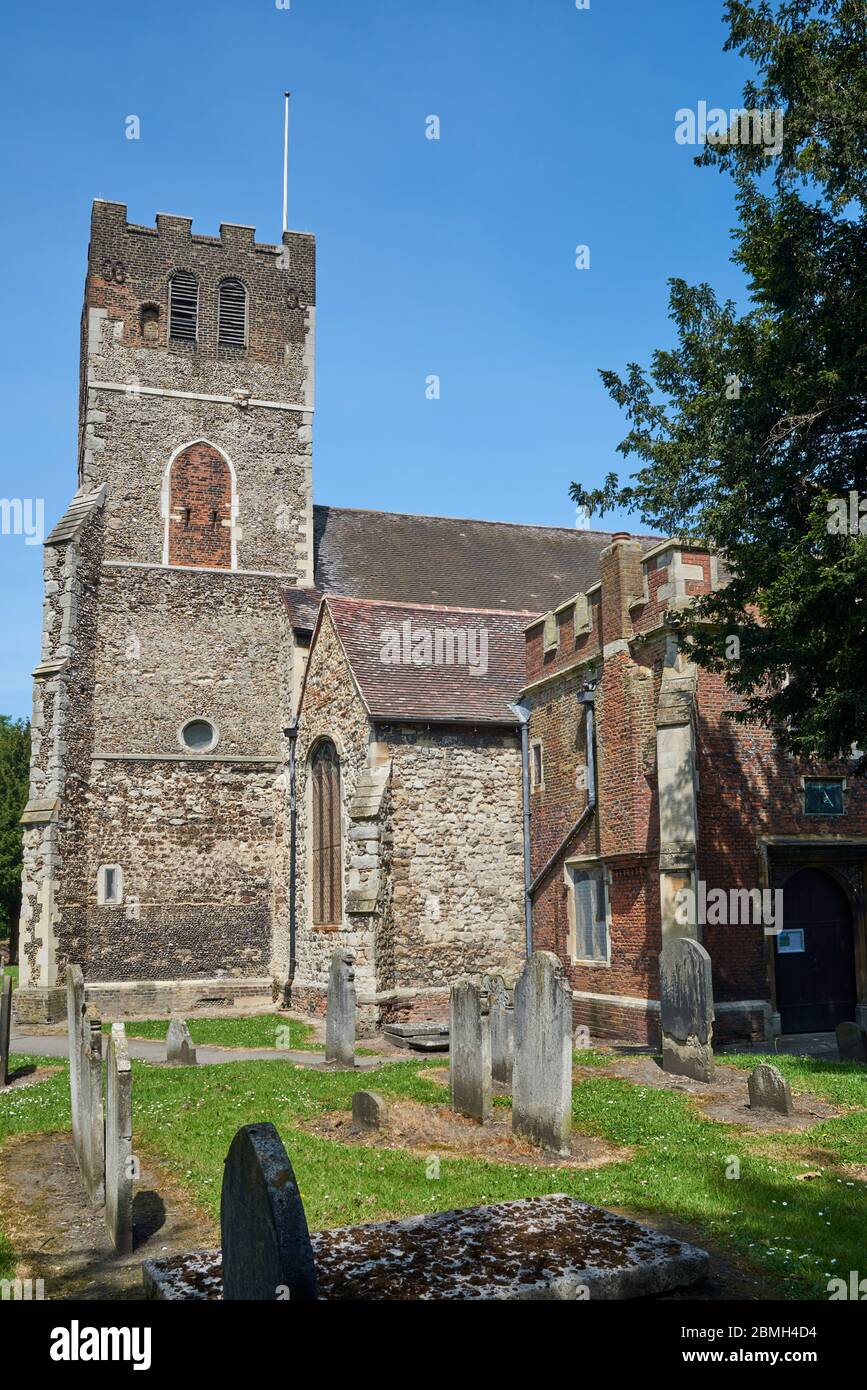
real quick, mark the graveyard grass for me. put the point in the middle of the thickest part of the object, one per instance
(255, 1030)
(797, 1234)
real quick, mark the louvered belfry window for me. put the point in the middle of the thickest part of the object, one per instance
(233, 314)
(327, 853)
(184, 307)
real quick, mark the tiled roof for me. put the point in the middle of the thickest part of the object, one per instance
(447, 560)
(303, 605)
(477, 689)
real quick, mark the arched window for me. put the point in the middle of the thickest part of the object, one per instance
(184, 307)
(200, 508)
(232, 314)
(327, 849)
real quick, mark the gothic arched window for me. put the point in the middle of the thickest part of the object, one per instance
(232, 316)
(327, 848)
(200, 508)
(184, 307)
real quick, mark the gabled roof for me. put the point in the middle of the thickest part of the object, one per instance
(380, 638)
(452, 561)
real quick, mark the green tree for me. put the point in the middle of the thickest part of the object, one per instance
(752, 429)
(14, 779)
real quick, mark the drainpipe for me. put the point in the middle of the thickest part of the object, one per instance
(586, 698)
(522, 714)
(292, 735)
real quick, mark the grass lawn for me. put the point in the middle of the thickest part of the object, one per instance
(258, 1030)
(13, 971)
(798, 1233)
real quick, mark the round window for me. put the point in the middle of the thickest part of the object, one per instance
(199, 735)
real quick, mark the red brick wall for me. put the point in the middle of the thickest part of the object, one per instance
(200, 509)
(747, 790)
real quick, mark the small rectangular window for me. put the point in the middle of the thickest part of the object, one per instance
(109, 885)
(823, 797)
(536, 765)
(590, 905)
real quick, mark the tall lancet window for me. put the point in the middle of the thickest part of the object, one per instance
(232, 314)
(184, 307)
(327, 848)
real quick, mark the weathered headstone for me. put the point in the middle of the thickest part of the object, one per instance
(266, 1243)
(118, 1142)
(340, 1011)
(769, 1090)
(5, 1026)
(180, 1048)
(369, 1110)
(469, 1050)
(686, 1009)
(502, 1032)
(74, 1028)
(851, 1042)
(91, 1114)
(542, 1073)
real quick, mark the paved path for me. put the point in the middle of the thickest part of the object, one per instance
(148, 1050)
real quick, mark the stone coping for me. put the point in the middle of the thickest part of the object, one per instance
(552, 1247)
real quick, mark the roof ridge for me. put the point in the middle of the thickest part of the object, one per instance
(428, 607)
(481, 521)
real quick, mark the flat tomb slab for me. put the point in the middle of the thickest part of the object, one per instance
(538, 1248)
(417, 1030)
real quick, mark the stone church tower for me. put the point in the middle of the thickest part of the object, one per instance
(154, 823)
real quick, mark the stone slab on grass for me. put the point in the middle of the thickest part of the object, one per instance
(539, 1248)
(417, 1030)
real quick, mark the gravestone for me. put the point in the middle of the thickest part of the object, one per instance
(686, 1009)
(118, 1142)
(502, 1032)
(180, 1048)
(91, 1113)
(542, 1072)
(266, 1243)
(851, 1042)
(5, 1026)
(75, 1030)
(469, 1051)
(369, 1110)
(769, 1090)
(340, 1011)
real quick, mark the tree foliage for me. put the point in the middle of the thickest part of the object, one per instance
(752, 429)
(14, 779)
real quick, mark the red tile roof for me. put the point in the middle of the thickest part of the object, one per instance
(470, 660)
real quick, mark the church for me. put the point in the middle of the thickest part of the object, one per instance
(265, 728)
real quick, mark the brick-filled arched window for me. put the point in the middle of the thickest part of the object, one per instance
(184, 307)
(327, 848)
(232, 314)
(200, 508)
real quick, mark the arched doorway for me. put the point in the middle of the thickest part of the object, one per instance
(815, 955)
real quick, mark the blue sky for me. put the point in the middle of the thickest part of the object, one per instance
(453, 257)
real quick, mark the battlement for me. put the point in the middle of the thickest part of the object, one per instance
(132, 270)
(111, 218)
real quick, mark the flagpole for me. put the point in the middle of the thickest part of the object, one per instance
(286, 162)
